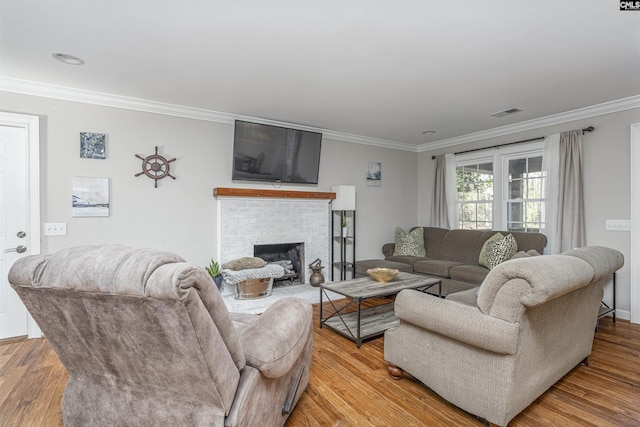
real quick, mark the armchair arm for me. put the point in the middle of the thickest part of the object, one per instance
(273, 343)
(457, 321)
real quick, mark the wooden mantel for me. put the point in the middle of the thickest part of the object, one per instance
(281, 194)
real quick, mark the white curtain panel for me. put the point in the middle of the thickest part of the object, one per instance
(451, 189)
(562, 159)
(439, 209)
(551, 164)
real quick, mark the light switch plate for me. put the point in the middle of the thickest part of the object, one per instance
(55, 228)
(617, 225)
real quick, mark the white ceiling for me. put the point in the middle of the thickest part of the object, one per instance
(385, 70)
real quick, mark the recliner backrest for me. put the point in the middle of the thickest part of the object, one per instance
(134, 318)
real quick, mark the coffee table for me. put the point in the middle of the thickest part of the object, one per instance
(363, 324)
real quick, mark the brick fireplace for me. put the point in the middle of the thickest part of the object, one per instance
(263, 217)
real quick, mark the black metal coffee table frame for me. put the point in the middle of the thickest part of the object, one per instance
(362, 324)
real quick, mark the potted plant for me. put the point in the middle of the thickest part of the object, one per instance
(345, 226)
(214, 271)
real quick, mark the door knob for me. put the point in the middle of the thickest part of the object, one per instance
(20, 249)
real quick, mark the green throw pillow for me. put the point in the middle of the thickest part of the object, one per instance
(410, 244)
(482, 259)
(501, 250)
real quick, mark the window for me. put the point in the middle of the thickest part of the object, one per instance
(503, 191)
(475, 196)
(525, 203)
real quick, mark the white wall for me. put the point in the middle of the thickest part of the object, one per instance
(179, 215)
(607, 182)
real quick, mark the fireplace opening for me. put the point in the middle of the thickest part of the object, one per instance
(289, 255)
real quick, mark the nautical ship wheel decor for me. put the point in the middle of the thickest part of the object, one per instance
(155, 167)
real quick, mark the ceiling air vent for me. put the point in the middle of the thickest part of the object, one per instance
(506, 112)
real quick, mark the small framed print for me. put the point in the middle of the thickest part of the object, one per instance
(374, 174)
(90, 196)
(93, 145)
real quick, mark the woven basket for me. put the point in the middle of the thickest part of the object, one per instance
(254, 288)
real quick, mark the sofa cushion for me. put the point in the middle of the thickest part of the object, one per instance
(474, 274)
(484, 252)
(501, 250)
(405, 259)
(527, 254)
(411, 243)
(459, 245)
(434, 267)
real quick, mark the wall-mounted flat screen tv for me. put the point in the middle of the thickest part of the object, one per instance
(275, 154)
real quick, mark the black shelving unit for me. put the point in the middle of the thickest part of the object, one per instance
(343, 247)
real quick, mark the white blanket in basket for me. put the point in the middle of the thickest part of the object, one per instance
(236, 276)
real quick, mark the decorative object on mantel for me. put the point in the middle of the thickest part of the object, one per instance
(281, 194)
(214, 271)
(383, 275)
(155, 167)
(316, 278)
(92, 145)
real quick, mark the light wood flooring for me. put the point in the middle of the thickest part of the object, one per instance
(351, 387)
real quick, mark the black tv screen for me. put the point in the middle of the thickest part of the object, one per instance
(275, 154)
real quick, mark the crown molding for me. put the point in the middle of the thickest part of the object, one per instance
(109, 100)
(25, 87)
(555, 119)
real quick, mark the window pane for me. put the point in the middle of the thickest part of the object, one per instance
(484, 212)
(535, 164)
(516, 189)
(514, 210)
(517, 168)
(475, 194)
(516, 226)
(534, 212)
(534, 188)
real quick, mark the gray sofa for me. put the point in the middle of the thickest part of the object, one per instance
(532, 321)
(452, 255)
(147, 340)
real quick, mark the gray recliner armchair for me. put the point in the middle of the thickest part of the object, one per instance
(147, 340)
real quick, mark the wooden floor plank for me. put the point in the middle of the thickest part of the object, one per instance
(351, 387)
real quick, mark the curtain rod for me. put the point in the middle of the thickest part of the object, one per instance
(587, 129)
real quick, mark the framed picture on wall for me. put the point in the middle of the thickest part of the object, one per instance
(374, 174)
(90, 196)
(93, 145)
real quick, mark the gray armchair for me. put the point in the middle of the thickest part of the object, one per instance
(147, 340)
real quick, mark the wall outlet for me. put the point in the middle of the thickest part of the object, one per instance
(617, 225)
(55, 228)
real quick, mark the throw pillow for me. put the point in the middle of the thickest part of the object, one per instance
(244, 263)
(501, 250)
(482, 259)
(411, 243)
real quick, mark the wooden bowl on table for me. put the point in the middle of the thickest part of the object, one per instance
(383, 275)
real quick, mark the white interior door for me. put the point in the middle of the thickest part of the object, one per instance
(19, 214)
